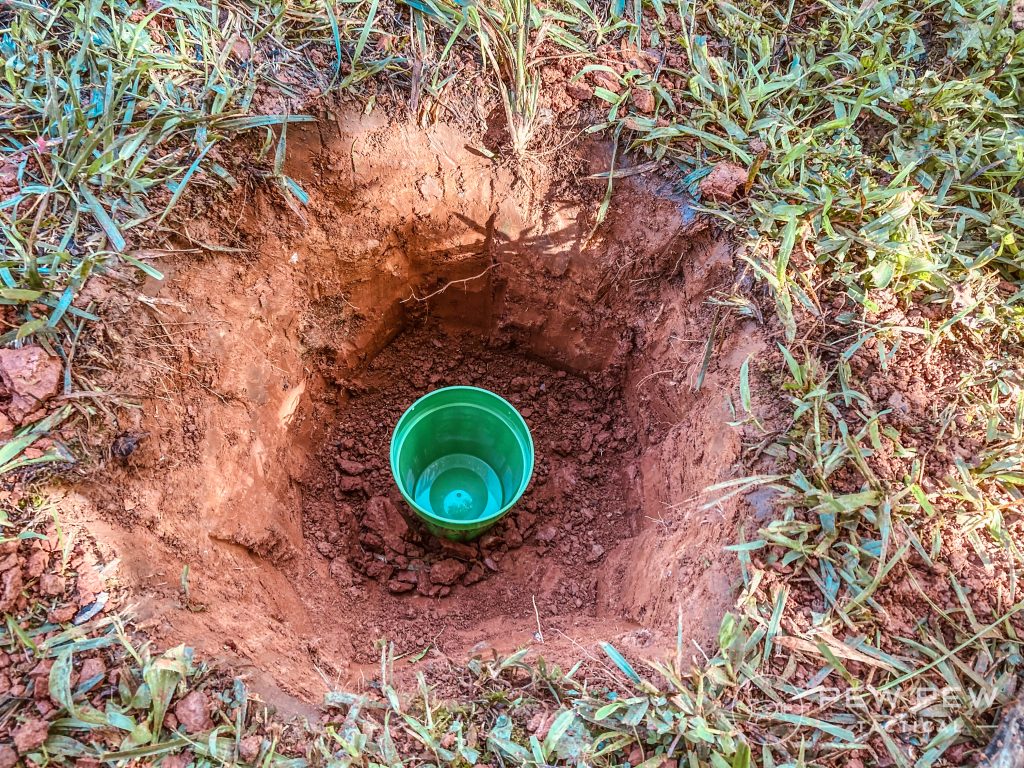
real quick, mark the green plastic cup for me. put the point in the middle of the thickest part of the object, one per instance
(461, 456)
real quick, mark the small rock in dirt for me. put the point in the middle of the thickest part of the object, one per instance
(379, 570)
(723, 181)
(424, 585)
(475, 574)
(643, 100)
(490, 564)
(371, 541)
(458, 549)
(579, 90)
(636, 756)
(249, 747)
(325, 548)
(383, 518)
(413, 551)
(10, 589)
(89, 581)
(525, 521)
(345, 514)
(62, 614)
(547, 534)
(410, 576)
(39, 675)
(31, 377)
(397, 586)
(562, 447)
(348, 484)
(8, 757)
(92, 668)
(596, 553)
(513, 538)
(350, 467)
(36, 564)
(193, 712)
(447, 572)
(30, 735)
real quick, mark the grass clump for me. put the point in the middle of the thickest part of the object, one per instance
(109, 111)
(882, 145)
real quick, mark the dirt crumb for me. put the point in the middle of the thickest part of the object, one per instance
(31, 377)
(447, 572)
(723, 181)
(643, 100)
(30, 735)
(249, 747)
(193, 712)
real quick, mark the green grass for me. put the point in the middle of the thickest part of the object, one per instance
(106, 121)
(886, 152)
(891, 165)
(110, 111)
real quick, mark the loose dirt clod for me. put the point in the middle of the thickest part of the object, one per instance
(31, 377)
(193, 712)
(30, 735)
(723, 181)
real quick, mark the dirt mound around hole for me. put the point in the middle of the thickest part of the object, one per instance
(272, 367)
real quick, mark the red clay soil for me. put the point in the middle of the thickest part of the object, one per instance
(578, 506)
(273, 363)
